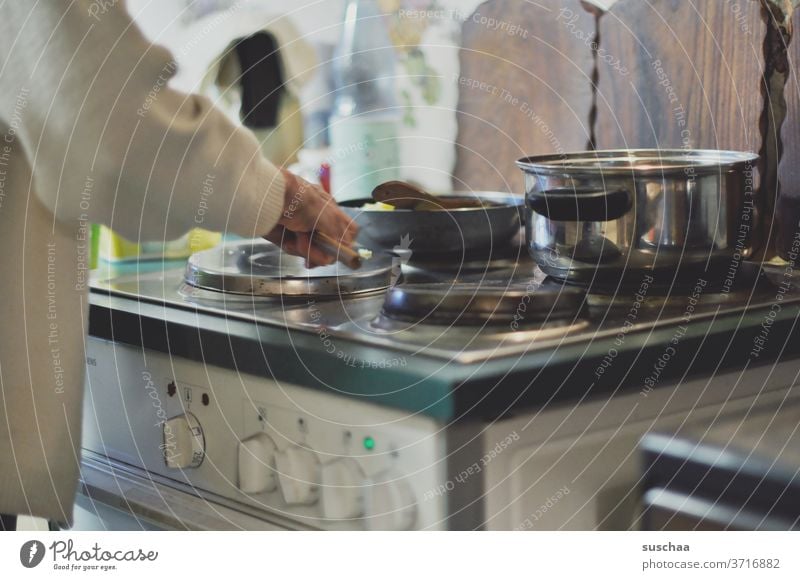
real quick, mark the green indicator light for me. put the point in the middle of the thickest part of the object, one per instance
(369, 443)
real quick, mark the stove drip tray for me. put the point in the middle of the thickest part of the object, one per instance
(481, 304)
(260, 268)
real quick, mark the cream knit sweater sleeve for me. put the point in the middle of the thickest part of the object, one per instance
(109, 141)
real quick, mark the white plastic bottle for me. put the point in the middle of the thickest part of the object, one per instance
(366, 119)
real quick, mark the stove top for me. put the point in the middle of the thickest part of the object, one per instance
(260, 268)
(478, 334)
(473, 310)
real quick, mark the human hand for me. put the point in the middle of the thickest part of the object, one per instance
(308, 208)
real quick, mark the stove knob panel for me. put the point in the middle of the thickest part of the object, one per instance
(390, 503)
(257, 464)
(184, 444)
(298, 475)
(342, 485)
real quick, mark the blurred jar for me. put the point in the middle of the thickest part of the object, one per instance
(366, 120)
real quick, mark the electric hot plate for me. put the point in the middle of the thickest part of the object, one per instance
(260, 268)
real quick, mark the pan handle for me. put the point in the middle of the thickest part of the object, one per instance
(572, 204)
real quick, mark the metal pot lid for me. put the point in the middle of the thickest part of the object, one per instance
(260, 268)
(479, 304)
(636, 161)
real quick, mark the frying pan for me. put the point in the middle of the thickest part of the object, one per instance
(445, 231)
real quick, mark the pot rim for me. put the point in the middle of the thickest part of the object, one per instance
(635, 162)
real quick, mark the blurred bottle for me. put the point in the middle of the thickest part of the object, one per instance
(366, 119)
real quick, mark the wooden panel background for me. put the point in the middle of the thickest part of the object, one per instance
(525, 88)
(695, 75)
(788, 204)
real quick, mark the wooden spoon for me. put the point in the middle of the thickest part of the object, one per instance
(404, 195)
(344, 254)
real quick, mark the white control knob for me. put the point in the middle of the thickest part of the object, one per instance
(257, 464)
(298, 475)
(342, 485)
(390, 503)
(184, 443)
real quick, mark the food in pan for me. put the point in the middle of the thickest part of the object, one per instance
(377, 206)
(443, 203)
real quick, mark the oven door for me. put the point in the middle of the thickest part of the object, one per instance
(117, 496)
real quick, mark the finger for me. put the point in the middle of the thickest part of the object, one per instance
(350, 229)
(322, 254)
(313, 254)
(287, 240)
(302, 246)
(277, 235)
(334, 222)
(317, 257)
(299, 244)
(289, 243)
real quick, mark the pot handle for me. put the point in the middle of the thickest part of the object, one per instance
(580, 204)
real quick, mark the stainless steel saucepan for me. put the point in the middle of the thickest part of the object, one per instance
(596, 214)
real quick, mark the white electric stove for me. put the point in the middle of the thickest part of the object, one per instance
(475, 394)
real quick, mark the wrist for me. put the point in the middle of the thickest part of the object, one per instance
(290, 187)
